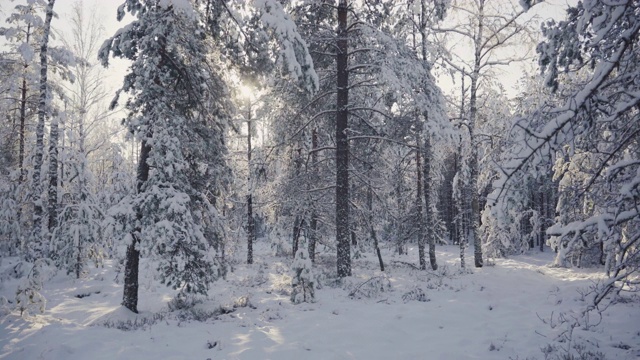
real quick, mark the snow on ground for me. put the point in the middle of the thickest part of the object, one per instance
(491, 313)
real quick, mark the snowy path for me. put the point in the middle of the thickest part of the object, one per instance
(489, 314)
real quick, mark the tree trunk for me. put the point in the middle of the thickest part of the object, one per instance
(419, 215)
(37, 241)
(342, 146)
(251, 226)
(53, 176)
(426, 188)
(426, 152)
(297, 225)
(313, 223)
(473, 163)
(130, 295)
(372, 230)
(23, 115)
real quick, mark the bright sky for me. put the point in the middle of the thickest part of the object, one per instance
(507, 76)
(106, 9)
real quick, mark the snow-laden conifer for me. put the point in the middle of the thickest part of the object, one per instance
(302, 282)
(175, 112)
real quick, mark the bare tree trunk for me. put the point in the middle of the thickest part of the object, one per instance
(372, 228)
(297, 230)
(130, 293)
(39, 151)
(313, 223)
(342, 146)
(251, 226)
(426, 188)
(473, 161)
(426, 152)
(53, 175)
(460, 204)
(23, 115)
(419, 215)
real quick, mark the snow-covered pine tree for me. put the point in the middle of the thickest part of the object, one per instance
(302, 282)
(28, 297)
(175, 112)
(178, 110)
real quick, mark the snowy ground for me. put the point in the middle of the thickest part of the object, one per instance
(493, 313)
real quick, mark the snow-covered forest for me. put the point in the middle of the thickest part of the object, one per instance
(321, 179)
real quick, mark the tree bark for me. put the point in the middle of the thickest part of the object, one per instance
(473, 161)
(251, 226)
(23, 115)
(130, 294)
(342, 146)
(419, 214)
(372, 230)
(313, 223)
(426, 152)
(426, 188)
(53, 176)
(39, 151)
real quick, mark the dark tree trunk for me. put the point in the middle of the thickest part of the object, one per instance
(342, 147)
(23, 115)
(474, 214)
(426, 188)
(251, 230)
(130, 295)
(39, 151)
(419, 215)
(298, 223)
(251, 225)
(313, 228)
(372, 229)
(53, 176)
(313, 223)
(426, 152)
(542, 211)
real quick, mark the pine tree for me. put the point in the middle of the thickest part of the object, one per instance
(178, 112)
(176, 115)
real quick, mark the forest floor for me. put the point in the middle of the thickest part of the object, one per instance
(511, 310)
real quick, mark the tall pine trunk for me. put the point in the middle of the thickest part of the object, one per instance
(426, 156)
(53, 176)
(419, 214)
(251, 226)
(372, 229)
(342, 147)
(313, 223)
(36, 239)
(474, 213)
(23, 115)
(131, 270)
(426, 188)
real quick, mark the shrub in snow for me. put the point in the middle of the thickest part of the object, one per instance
(28, 295)
(371, 288)
(302, 283)
(5, 309)
(278, 242)
(416, 294)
